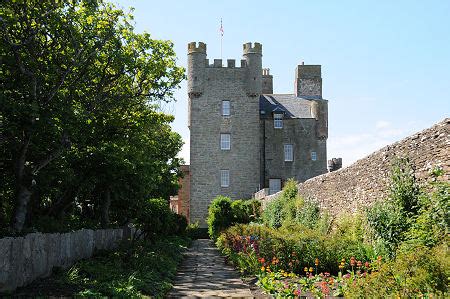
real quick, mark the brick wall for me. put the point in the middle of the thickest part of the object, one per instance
(366, 181)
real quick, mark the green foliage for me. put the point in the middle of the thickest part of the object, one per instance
(245, 211)
(295, 246)
(389, 225)
(220, 215)
(141, 268)
(282, 207)
(413, 272)
(431, 226)
(409, 214)
(290, 208)
(404, 241)
(223, 212)
(82, 133)
(193, 231)
(156, 219)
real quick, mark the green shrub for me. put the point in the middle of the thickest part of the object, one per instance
(193, 231)
(223, 212)
(220, 216)
(281, 208)
(156, 219)
(246, 211)
(391, 219)
(388, 224)
(418, 270)
(431, 226)
(134, 270)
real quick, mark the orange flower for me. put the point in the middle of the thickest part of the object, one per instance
(311, 269)
(359, 264)
(263, 269)
(366, 264)
(316, 262)
(352, 261)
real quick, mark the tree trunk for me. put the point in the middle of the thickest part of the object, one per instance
(23, 193)
(20, 211)
(105, 209)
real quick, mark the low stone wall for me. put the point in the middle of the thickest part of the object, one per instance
(350, 189)
(24, 259)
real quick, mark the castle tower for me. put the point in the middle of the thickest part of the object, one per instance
(253, 57)
(196, 67)
(224, 126)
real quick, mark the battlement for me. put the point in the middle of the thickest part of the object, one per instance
(266, 72)
(256, 48)
(231, 63)
(193, 48)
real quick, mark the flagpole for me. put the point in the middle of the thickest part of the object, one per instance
(221, 39)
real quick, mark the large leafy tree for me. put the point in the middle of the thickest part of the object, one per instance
(79, 120)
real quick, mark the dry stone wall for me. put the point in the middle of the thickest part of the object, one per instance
(367, 180)
(24, 259)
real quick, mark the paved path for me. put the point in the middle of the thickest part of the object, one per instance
(203, 273)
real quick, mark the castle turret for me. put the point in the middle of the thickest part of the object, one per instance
(196, 68)
(308, 81)
(267, 82)
(319, 110)
(253, 58)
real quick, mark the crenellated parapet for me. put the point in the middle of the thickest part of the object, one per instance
(193, 47)
(249, 48)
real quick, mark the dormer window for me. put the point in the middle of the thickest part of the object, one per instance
(278, 120)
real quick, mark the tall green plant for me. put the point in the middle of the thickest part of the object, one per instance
(391, 219)
(220, 216)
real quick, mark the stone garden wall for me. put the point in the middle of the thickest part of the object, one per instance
(350, 189)
(23, 259)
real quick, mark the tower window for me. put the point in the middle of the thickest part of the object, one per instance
(224, 178)
(278, 121)
(226, 108)
(225, 141)
(288, 153)
(314, 156)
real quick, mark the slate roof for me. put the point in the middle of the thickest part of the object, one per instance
(293, 106)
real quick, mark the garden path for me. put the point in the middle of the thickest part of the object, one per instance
(203, 273)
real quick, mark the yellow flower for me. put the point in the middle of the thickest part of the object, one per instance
(311, 269)
(306, 269)
(263, 269)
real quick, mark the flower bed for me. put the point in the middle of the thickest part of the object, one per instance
(284, 266)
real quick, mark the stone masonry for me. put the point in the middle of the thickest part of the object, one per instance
(258, 151)
(357, 186)
(23, 259)
(208, 86)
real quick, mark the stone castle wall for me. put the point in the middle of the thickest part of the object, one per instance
(209, 86)
(300, 133)
(23, 259)
(367, 180)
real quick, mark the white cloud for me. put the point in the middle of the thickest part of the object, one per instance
(354, 146)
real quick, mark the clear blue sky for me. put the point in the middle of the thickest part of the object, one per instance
(385, 64)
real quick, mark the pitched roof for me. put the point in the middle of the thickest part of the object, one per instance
(293, 106)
